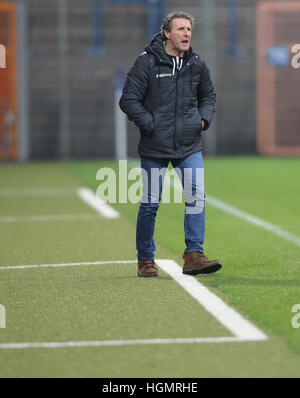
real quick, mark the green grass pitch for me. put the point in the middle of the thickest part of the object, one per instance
(260, 277)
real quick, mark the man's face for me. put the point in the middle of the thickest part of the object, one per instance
(180, 35)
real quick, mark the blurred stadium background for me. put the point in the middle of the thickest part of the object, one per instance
(66, 59)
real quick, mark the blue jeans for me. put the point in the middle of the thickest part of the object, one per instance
(191, 173)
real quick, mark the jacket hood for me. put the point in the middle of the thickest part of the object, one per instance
(156, 47)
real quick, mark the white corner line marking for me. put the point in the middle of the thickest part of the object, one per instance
(241, 328)
(227, 316)
(98, 204)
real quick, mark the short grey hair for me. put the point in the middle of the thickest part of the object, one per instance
(168, 19)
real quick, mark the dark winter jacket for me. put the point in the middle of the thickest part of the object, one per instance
(168, 104)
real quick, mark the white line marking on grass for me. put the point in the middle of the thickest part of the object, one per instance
(89, 197)
(227, 316)
(68, 264)
(48, 217)
(105, 343)
(253, 220)
(240, 214)
(242, 329)
(36, 191)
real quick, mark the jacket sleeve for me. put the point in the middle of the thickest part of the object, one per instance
(206, 96)
(133, 95)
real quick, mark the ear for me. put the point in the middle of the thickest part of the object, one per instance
(167, 34)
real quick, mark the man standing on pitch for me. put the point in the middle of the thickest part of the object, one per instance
(169, 95)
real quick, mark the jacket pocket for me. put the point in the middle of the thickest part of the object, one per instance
(192, 129)
(199, 121)
(146, 125)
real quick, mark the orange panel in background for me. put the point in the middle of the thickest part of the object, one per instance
(8, 82)
(277, 82)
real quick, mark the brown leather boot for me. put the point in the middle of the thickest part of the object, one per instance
(196, 263)
(147, 268)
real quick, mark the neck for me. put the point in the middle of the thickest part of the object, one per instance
(173, 50)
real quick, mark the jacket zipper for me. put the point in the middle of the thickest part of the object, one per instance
(174, 135)
(177, 74)
(174, 140)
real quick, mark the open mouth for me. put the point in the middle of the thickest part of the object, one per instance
(185, 42)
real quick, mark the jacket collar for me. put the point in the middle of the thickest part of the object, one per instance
(156, 47)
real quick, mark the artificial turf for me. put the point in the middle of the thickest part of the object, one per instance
(260, 277)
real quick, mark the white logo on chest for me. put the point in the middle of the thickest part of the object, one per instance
(164, 75)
